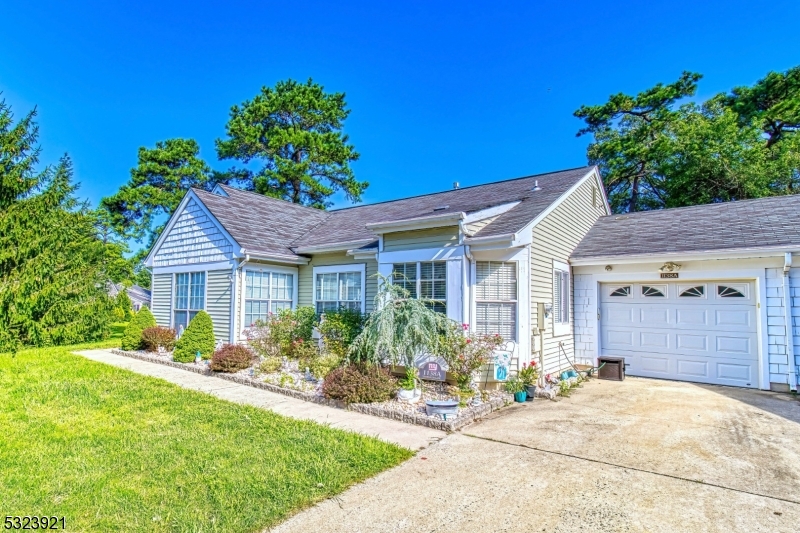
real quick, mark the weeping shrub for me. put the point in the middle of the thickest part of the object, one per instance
(400, 328)
(132, 337)
(198, 337)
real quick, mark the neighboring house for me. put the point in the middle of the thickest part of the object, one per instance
(705, 293)
(139, 296)
(488, 254)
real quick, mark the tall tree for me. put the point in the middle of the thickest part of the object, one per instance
(630, 141)
(156, 186)
(773, 102)
(295, 131)
(52, 282)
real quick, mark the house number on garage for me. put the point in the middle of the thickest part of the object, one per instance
(669, 275)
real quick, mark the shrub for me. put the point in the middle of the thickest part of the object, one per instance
(529, 373)
(271, 364)
(132, 337)
(198, 337)
(359, 384)
(232, 358)
(324, 365)
(280, 333)
(466, 352)
(158, 337)
(339, 329)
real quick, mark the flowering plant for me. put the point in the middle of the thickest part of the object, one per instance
(529, 373)
(465, 352)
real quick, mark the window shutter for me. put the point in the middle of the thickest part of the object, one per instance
(557, 293)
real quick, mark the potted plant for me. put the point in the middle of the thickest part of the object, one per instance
(408, 391)
(516, 387)
(529, 376)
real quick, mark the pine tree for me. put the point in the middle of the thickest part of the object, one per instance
(52, 287)
(198, 337)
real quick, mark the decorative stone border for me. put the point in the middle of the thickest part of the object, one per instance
(465, 417)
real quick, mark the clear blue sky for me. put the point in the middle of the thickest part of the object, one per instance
(440, 92)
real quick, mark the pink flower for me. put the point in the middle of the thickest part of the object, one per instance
(469, 341)
(465, 326)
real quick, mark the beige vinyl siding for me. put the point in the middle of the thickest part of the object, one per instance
(218, 302)
(305, 294)
(478, 225)
(554, 238)
(424, 238)
(162, 298)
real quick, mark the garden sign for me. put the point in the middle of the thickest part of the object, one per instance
(431, 370)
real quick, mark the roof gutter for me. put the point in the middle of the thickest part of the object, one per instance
(787, 313)
(654, 257)
(276, 258)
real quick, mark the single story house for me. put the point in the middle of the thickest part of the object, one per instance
(139, 296)
(488, 254)
(709, 293)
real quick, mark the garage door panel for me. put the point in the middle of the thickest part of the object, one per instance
(693, 342)
(706, 338)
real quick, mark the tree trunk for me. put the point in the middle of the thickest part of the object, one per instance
(634, 195)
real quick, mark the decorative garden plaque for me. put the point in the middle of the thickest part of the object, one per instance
(432, 371)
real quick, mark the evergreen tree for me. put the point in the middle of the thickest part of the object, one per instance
(52, 283)
(295, 131)
(198, 337)
(132, 337)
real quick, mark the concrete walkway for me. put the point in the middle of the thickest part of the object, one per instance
(406, 435)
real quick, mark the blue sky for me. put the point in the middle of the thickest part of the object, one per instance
(440, 92)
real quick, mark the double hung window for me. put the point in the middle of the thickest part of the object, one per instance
(266, 292)
(190, 293)
(424, 279)
(496, 298)
(338, 290)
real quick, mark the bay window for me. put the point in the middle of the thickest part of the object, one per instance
(496, 298)
(190, 293)
(266, 292)
(424, 279)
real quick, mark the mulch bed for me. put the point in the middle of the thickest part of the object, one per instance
(297, 387)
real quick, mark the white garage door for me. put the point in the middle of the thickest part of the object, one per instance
(703, 332)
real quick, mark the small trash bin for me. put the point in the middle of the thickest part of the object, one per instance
(614, 368)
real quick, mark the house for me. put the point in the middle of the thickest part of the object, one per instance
(139, 296)
(709, 293)
(487, 254)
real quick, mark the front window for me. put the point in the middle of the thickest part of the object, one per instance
(190, 293)
(424, 279)
(496, 299)
(338, 290)
(561, 297)
(266, 292)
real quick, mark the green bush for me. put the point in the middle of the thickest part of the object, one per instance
(232, 358)
(324, 365)
(283, 334)
(132, 337)
(198, 337)
(271, 364)
(359, 384)
(339, 328)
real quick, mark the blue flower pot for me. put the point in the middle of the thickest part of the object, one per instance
(520, 396)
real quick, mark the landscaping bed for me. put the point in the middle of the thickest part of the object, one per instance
(291, 381)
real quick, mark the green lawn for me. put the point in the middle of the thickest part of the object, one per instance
(111, 450)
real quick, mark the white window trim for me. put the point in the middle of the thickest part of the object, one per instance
(447, 278)
(562, 328)
(242, 288)
(341, 269)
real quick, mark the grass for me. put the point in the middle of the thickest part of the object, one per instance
(111, 450)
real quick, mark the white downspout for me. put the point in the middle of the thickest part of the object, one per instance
(787, 310)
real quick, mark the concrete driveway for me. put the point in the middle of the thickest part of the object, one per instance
(641, 455)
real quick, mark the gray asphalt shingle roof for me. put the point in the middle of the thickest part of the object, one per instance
(762, 223)
(262, 224)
